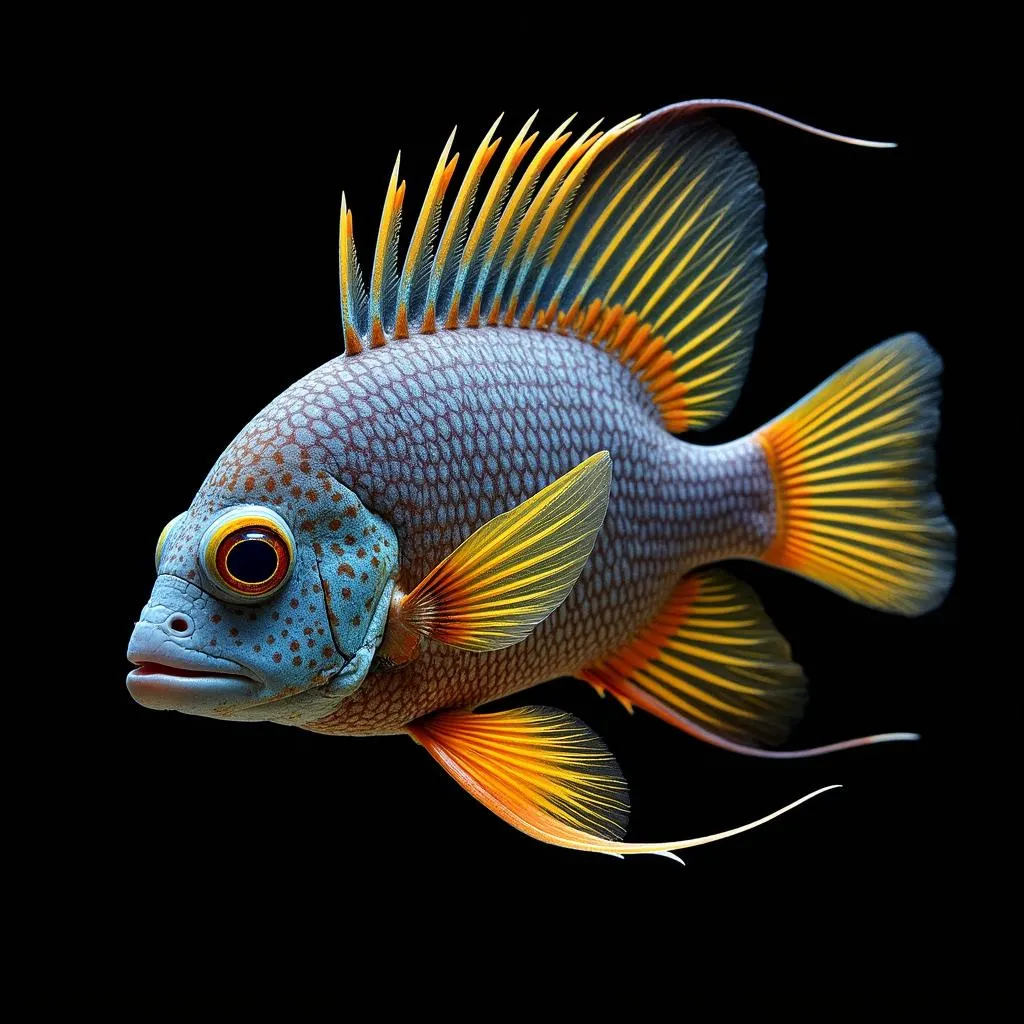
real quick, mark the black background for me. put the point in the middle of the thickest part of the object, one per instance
(226, 176)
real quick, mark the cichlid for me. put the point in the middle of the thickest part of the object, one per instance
(484, 491)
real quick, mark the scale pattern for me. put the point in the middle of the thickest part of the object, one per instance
(438, 434)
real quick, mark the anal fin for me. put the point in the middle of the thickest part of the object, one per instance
(712, 664)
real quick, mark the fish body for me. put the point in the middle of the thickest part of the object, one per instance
(485, 491)
(441, 433)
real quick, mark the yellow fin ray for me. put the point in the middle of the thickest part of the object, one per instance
(516, 569)
(547, 774)
(842, 517)
(711, 653)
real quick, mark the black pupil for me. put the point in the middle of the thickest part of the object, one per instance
(252, 560)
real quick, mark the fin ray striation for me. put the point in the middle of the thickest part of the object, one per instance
(644, 239)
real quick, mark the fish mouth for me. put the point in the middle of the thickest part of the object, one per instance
(164, 687)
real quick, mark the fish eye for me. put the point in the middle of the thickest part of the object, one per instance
(247, 553)
(162, 539)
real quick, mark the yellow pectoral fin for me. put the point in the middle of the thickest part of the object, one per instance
(516, 569)
(548, 775)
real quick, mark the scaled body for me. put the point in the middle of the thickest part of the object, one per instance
(438, 434)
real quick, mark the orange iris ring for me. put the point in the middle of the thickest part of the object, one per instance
(263, 536)
(224, 536)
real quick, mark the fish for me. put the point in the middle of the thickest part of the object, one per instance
(486, 489)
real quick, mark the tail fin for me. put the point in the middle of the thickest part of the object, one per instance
(856, 507)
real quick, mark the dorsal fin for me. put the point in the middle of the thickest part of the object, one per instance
(644, 240)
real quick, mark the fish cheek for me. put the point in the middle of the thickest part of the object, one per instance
(357, 554)
(284, 642)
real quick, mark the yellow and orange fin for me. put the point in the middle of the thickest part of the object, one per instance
(350, 278)
(644, 239)
(856, 506)
(493, 589)
(548, 775)
(712, 664)
(711, 656)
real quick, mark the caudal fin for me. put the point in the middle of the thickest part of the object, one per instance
(856, 506)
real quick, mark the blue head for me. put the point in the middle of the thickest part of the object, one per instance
(271, 595)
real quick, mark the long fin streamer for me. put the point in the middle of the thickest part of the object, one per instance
(548, 775)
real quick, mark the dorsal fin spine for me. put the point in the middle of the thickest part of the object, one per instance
(513, 214)
(422, 236)
(385, 258)
(487, 219)
(350, 282)
(454, 226)
(457, 268)
(525, 228)
(549, 200)
(581, 251)
(558, 209)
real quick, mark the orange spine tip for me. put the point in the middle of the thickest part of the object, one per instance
(655, 367)
(609, 323)
(402, 323)
(638, 342)
(590, 317)
(353, 346)
(625, 331)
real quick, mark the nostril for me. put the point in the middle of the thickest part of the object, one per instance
(179, 624)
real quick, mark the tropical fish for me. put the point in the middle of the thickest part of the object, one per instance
(484, 491)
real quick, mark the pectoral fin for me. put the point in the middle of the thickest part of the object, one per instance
(493, 589)
(548, 775)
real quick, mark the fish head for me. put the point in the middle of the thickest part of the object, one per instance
(271, 596)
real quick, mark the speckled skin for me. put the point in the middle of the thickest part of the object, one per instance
(438, 434)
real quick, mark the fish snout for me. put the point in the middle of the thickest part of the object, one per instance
(176, 668)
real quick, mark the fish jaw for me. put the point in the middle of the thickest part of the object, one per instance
(167, 688)
(171, 677)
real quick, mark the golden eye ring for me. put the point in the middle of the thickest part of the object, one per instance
(162, 539)
(247, 553)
